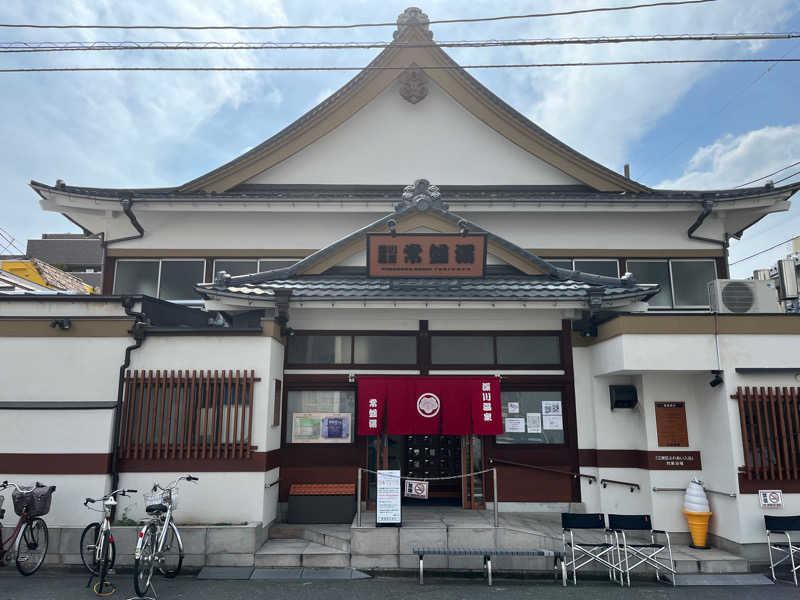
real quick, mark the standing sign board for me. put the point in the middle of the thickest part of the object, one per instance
(388, 499)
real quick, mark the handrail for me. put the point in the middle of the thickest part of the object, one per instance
(633, 486)
(728, 494)
(591, 478)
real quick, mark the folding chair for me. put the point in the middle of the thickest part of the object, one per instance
(582, 553)
(778, 525)
(631, 555)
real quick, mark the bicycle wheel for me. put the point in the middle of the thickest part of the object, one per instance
(171, 555)
(89, 540)
(144, 563)
(31, 546)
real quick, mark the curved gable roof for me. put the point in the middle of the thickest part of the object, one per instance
(413, 48)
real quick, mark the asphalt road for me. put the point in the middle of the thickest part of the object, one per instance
(60, 586)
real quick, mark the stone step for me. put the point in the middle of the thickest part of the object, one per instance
(287, 552)
(335, 536)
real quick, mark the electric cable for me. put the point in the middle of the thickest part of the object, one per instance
(770, 175)
(35, 47)
(788, 177)
(357, 25)
(736, 262)
(403, 68)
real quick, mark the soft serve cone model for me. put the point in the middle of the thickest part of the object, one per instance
(697, 511)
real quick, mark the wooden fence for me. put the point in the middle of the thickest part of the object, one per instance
(187, 414)
(770, 426)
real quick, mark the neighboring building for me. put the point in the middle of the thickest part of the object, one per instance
(78, 254)
(353, 320)
(40, 275)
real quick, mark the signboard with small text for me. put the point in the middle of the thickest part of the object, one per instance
(426, 255)
(671, 424)
(770, 498)
(416, 489)
(388, 509)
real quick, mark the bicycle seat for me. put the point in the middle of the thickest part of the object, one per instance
(156, 508)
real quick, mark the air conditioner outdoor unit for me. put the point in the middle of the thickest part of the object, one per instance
(742, 296)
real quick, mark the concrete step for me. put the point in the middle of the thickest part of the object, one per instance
(335, 536)
(289, 552)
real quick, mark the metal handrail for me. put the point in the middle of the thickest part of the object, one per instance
(630, 484)
(591, 478)
(728, 494)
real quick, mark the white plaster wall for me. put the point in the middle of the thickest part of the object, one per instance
(60, 368)
(438, 320)
(391, 141)
(233, 498)
(66, 508)
(273, 433)
(79, 308)
(56, 431)
(271, 496)
(636, 353)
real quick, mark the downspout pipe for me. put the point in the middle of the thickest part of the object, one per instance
(138, 333)
(126, 204)
(708, 206)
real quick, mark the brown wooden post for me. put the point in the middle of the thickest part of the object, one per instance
(240, 386)
(780, 404)
(744, 427)
(235, 416)
(250, 411)
(229, 406)
(775, 441)
(796, 427)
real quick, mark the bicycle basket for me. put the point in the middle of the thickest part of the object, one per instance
(36, 500)
(165, 497)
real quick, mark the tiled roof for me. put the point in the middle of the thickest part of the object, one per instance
(535, 287)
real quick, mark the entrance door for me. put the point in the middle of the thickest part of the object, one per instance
(431, 456)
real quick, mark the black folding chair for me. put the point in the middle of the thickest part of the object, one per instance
(777, 526)
(579, 554)
(631, 555)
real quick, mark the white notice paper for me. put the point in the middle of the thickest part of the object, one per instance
(552, 422)
(534, 422)
(513, 408)
(388, 498)
(515, 425)
(551, 407)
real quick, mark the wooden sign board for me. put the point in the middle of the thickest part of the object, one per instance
(671, 424)
(426, 255)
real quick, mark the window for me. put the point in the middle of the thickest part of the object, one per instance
(320, 416)
(385, 349)
(235, 267)
(269, 264)
(513, 350)
(690, 282)
(320, 349)
(462, 350)
(654, 271)
(561, 263)
(167, 278)
(528, 350)
(597, 266)
(532, 417)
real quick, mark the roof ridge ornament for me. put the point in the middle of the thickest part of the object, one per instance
(413, 17)
(422, 196)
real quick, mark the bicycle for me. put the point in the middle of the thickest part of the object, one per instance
(98, 551)
(30, 535)
(159, 539)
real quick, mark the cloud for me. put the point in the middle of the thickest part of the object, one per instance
(733, 160)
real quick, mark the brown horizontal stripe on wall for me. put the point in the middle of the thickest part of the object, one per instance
(751, 486)
(652, 460)
(630, 253)
(54, 464)
(258, 462)
(79, 326)
(206, 252)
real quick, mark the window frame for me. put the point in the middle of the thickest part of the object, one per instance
(160, 261)
(564, 414)
(353, 365)
(596, 259)
(666, 261)
(286, 422)
(214, 262)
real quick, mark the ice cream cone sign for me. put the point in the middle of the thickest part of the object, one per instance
(698, 512)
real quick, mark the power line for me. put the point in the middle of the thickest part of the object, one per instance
(403, 68)
(8, 241)
(32, 47)
(788, 177)
(771, 174)
(357, 25)
(736, 262)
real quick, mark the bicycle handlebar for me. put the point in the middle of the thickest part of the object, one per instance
(121, 492)
(174, 484)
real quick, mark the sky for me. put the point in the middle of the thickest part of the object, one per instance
(700, 126)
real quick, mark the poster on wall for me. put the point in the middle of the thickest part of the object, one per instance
(416, 489)
(515, 425)
(388, 509)
(513, 408)
(551, 407)
(552, 422)
(321, 428)
(534, 422)
(770, 498)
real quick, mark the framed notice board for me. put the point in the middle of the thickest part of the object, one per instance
(671, 424)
